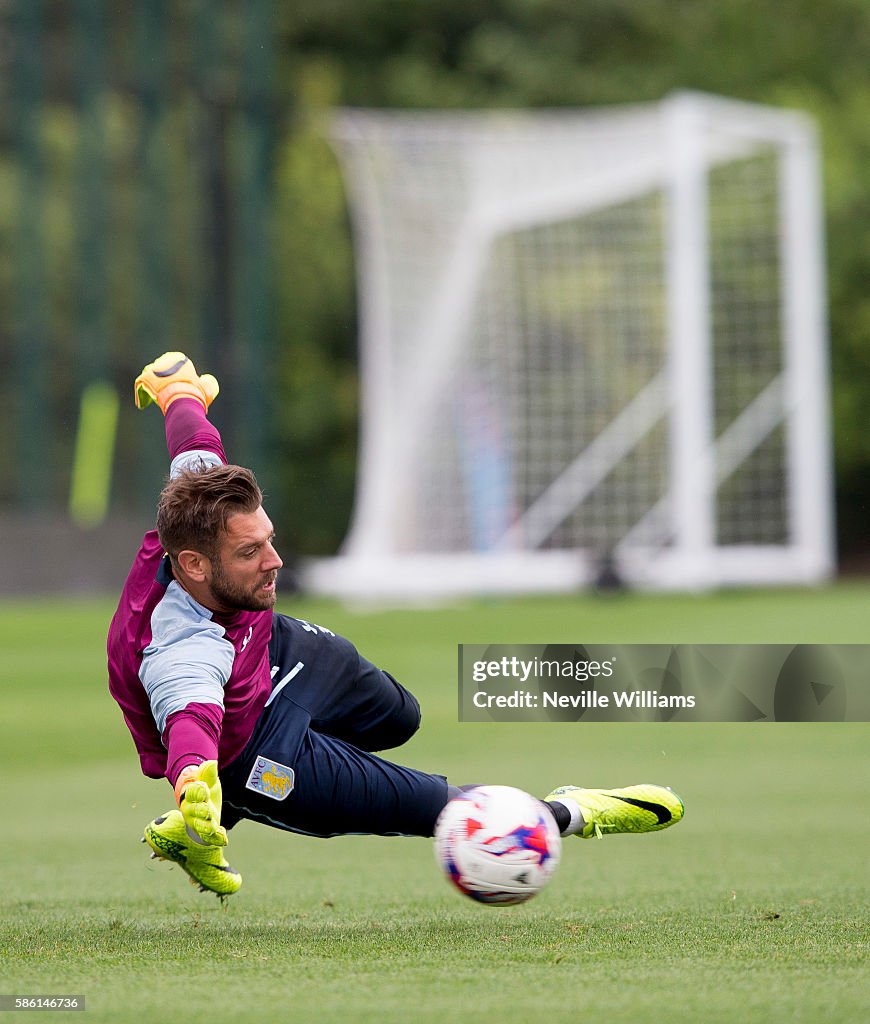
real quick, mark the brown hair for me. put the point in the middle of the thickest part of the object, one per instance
(195, 505)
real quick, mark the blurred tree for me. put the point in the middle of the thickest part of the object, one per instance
(316, 372)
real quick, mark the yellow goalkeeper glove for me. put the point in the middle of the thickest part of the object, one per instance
(198, 793)
(172, 376)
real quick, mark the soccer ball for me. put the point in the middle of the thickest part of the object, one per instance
(497, 844)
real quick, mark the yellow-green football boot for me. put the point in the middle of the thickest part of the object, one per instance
(169, 840)
(596, 812)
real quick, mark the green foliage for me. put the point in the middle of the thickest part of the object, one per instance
(316, 379)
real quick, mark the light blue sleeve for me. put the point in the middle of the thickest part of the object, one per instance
(189, 659)
(197, 459)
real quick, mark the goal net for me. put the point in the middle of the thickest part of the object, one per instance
(588, 338)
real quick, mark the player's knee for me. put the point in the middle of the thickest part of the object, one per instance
(409, 719)
(401, 725)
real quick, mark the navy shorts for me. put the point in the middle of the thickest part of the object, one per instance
(309, 766)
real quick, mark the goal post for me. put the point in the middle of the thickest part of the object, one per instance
(587, 335)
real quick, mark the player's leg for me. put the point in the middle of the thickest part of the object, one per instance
(324, 786)
(333, 788)
(295, 777)
(344, 694)
(589, 813)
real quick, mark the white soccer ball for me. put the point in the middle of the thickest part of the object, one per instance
(497, 844)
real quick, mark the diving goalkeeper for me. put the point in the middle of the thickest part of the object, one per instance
(253, 714)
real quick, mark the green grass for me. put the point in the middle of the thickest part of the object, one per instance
(755, 909)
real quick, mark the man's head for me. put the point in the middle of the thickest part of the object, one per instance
(219, 538)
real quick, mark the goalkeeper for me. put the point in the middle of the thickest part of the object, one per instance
(253, 714)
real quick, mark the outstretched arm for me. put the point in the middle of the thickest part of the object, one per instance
(189, 433)
(191, 734)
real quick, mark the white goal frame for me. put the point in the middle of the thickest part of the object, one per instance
(694, 134)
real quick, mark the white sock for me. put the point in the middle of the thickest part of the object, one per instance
(576, 823)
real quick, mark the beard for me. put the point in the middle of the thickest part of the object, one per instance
(233, 595)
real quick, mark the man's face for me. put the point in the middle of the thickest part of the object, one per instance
(244, 571)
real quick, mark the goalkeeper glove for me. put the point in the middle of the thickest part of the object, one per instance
(172, 376)
(198, 793)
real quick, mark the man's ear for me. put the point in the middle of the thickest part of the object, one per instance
(194, 565)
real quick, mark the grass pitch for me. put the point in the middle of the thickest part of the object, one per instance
(754, 909)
